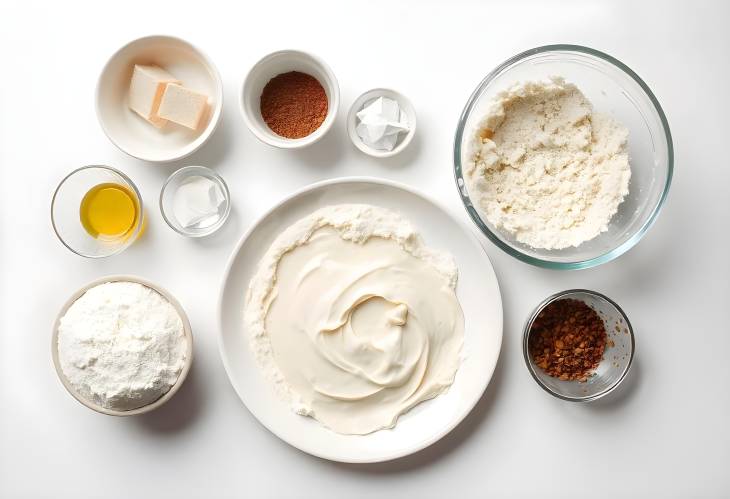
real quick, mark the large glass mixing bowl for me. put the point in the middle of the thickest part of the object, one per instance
(613, 89)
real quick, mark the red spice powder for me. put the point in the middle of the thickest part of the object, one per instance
(294, 104)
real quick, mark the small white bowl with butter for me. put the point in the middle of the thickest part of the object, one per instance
(159, 98)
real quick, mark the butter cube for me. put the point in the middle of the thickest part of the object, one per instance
(183, 106)
(146, 89)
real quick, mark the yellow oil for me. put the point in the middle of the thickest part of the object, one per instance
(109, 211)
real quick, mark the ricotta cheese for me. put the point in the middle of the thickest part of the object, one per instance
(354, 319)
(545, 168)
(121, 345)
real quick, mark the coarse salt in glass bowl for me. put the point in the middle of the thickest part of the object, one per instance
(613, 89)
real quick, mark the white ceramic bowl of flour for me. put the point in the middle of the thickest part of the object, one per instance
(167, 395)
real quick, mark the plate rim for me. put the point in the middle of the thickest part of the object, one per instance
(362, 180)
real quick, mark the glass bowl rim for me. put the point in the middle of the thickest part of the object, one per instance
(514, 251)
(208, 172)
(526, 336)
(125, 177)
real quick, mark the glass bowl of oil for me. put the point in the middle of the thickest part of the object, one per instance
(97, 211)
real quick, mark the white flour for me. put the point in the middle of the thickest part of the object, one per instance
(121, 345)
(545, 168)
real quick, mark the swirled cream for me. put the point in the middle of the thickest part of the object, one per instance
(354, 319)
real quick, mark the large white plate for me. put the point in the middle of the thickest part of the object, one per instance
(477, 290)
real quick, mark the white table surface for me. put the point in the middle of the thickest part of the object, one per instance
(665, 433)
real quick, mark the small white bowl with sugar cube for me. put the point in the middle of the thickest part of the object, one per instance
(381, 122)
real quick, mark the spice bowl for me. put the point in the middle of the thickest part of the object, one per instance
(128, 131)
(167, 395)
(617, 357)
(364, 100)
(275, 64)
(173, 200)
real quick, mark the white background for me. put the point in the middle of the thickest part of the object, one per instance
(665, 433)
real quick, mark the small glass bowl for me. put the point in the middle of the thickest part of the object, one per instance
(66, 216)
(612, 88)
(617, 356)
(167, 195)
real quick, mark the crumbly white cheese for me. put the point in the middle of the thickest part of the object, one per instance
(545, 168)
(354, 319)
(121, 345)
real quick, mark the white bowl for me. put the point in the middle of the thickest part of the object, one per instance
(273, 65)
(188, 352)
(130, 132)
(360, 102)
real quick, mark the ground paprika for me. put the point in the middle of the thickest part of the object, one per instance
(294, 104)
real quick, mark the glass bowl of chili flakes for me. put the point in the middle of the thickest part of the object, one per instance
(578, 345)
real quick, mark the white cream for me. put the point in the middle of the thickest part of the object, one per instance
(354, 319)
